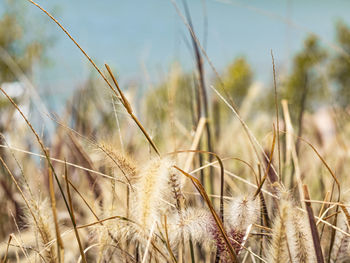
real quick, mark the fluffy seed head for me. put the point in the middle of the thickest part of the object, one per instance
(241, 212)
(278, 250)
(192, 223)
(43, 225)
(151, 191)
(299, 236)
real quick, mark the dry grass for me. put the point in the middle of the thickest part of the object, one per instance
(130, 201)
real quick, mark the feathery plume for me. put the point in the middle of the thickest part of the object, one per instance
(240, 214)
(150, 199)
(123, 161)
(192, 223)
(279, 250)
(299, 236)
(44, 228)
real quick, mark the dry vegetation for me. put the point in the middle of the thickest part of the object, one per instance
(109, 190)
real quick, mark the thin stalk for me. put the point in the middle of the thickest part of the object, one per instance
(277, 118)
(203, 92)
(268, 165)
(167, 240)
(73, 217)
(4, 259)
(128, 108)
(60, 247)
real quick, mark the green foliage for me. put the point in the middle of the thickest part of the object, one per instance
(304, 88)
(14, 43)
(237, 79)
(174, 96)
(339, 69)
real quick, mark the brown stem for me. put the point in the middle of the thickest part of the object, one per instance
(314, 232)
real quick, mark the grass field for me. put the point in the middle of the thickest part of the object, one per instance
(187, 173)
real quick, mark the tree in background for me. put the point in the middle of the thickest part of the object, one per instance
(16, 45)
(19, 51)
(340, 66)
(237, 79)
(173, 98)
(305, 87)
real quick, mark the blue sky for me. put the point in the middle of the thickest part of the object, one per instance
(139, 38)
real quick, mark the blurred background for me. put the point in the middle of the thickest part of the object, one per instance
(141, 40)
(150, 49)
(152, 53)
